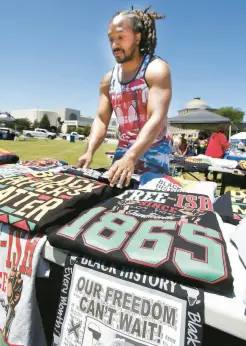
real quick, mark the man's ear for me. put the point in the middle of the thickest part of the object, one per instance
(138, 38)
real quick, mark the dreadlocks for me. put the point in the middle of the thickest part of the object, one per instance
(143, 22)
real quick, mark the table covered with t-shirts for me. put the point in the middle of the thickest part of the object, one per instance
(202, 164)
(144, 265)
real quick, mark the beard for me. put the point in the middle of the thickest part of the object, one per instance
(125, 57)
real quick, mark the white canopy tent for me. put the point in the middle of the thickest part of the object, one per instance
(240, 135)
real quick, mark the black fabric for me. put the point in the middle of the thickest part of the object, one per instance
(44, 199)
(196, 165)
(232, 206)
(177, 159)
(7, 157)
(194, 298)
(173, 234)
(223, 206)
(95, 174)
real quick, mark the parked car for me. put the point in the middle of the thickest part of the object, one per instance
(40, 133)
(8, 134)
(66, 136)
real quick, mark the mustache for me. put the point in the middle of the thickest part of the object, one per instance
(117, 50)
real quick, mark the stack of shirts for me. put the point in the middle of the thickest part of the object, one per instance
(30, 166)
(160, 182)
(137, 244)
(29, 205)
(175, 234)
(198, 163)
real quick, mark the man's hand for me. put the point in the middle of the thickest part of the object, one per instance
(84, 161)
(121, 172)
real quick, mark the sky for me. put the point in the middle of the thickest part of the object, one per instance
(53, 53)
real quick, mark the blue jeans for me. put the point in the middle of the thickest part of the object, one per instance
(155, 160)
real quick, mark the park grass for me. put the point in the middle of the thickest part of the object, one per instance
(70, 152)
(57, 149)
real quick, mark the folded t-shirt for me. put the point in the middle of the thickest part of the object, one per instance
(42, 164)
(108, 305)
(7, 157)
(43, 199)
(223, 206)
(224, 163)
(175, 234)
(99, 174)
(160, 182)
(13, 170)
(197, 163)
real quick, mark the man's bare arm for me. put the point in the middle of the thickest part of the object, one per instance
(158, 77)
(100, 124)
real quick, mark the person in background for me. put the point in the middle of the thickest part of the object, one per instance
(201, 143)
(183, 145)
(217, 146)
(175, 149)
(190, 146)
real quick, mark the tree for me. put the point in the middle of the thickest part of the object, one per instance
(35, 124)
(79, 130)
(71, 128)
(24, 124)
(234, 114)
(59, 124)
(86, 130)
(44, 123)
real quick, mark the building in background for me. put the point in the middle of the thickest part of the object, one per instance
(36, 115)
(193, 105)
(70, 117)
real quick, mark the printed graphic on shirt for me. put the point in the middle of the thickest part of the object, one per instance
(173, 233)
(159, 182)
(13, 170)
(34, 201)
(238, 199)
(102, 304)
(129, 102)
(19, 252)
(42, 164)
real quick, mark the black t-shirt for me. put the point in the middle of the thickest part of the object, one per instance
(98, 174)
(44, 199)
(171, 233)
(232, 206)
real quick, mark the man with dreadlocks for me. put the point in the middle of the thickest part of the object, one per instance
(138, 90)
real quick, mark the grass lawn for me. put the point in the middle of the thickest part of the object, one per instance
(69, 152)
(57, 149)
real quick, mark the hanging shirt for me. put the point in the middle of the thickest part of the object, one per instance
(129, 102)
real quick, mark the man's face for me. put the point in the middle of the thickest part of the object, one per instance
(124, 42)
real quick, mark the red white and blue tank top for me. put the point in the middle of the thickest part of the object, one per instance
(129, 102)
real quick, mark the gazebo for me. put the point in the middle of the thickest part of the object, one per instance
(202, 119)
